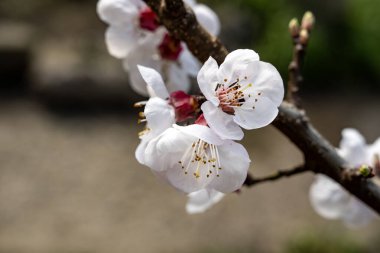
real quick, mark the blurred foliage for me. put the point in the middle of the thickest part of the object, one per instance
(342, 52)
(313, 243)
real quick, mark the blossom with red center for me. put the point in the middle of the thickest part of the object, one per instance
(170, 48)
(242, 92)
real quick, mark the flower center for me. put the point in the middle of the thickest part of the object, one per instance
(234, 95)
(201, 158)
(184, 105)
(170, 48)
(148, 19)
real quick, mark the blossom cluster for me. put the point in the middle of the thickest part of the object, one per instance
(190, 141)
(136, 36)
(330, 199)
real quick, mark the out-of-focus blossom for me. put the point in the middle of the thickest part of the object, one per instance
(202, 200)
(330, 199)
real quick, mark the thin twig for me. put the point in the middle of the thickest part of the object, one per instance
(251, 180)
(300, 38)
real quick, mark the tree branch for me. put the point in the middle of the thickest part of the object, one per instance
(251, 180)
(320, 155)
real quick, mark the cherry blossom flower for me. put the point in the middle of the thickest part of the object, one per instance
(202, 200)
(162, 110)
(242, 92)
(130, 22)
(175, 72)
(194, 157)
(331, 200)
(136, 36)
(158, 113)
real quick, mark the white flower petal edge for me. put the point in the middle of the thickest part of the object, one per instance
(154, 81)
(328, 198)
(207, 18)
(222, 123)
(331, 200)
(202, 200)
(242, 87)
(353, 147)
(159, 117)
(117, 12)
(195, 158)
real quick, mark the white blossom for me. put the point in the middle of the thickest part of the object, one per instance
(176, 73)
(330, 199)
(242, 92)
(159, 115)
(193, 157)
(124, 31)
(202, 200)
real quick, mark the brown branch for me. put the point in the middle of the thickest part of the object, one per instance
(320, 155)
(251, 180)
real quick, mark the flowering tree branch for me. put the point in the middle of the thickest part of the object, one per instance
(319, 155)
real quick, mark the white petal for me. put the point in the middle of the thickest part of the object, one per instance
(328, 198)
(374, 149)
(120, 40)
(234, 160)
(207, 18)
(353, 148)
(177, 78)
(201, 132)
(117, 12)
(265, 80)
(165, 150)
(187, 182)
(140, 150)
(159, 114)
(221, 122)
(140, 55)
(263, 114)
(202, 200)
(154, 80)
(191, 3)
(235, 63)
(358, 214)
(188, 62)
(207, 80)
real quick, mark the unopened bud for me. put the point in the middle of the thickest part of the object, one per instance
(304, 37)
(365, 171)
(308, 21)
(294, 27)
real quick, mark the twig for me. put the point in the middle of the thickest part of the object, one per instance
(250, 180)
(300, 38)
(320, 155)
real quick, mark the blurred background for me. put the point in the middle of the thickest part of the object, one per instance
(69, 181)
